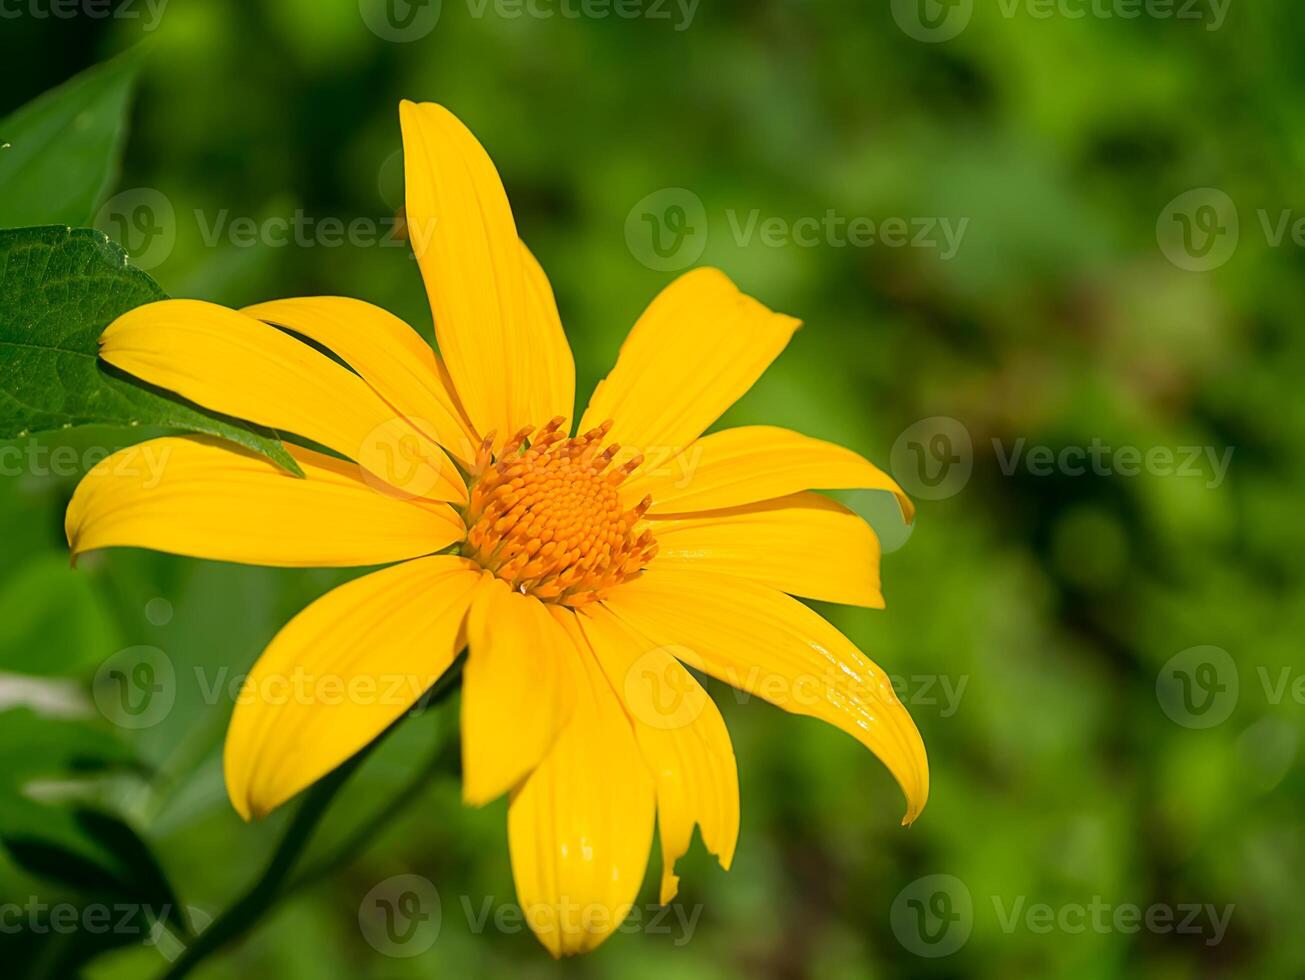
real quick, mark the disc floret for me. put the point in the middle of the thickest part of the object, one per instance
(545, 516)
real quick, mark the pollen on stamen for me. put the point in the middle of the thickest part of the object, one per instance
(545, 516)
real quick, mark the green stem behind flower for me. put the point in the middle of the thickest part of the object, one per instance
(271, 886)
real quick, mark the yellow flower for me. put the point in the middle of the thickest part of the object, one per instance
(578, 572)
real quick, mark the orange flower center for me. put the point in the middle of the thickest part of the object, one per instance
(547, 519)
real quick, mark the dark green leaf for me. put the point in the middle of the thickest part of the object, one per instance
(61, 288)
(93, 853)
(64, 147)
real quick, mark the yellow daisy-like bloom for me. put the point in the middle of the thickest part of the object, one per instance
(579, 572)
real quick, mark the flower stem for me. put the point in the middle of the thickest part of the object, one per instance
(271, 886)
(442, 760)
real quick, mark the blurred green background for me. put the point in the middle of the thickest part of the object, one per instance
(1052, 631)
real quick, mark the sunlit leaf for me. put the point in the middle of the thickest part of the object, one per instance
(61, 288)
(59, 153)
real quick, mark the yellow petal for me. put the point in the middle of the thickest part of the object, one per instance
(340, 673)
(580, 826)
(555, 370)
(234, 364)
(389, 355)
(517, 690)
(506, 354)
(697, 348)
(764, 642)
(803, 544)
(683, 739)
(751, 463)
(207, 499)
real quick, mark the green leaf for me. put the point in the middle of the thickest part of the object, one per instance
(91, 852)
(52, 621)
(34, 746)
(61, 287)
(63, 148)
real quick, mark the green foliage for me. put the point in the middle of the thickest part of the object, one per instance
(60, 153)
(34, 746)
(1055, 601)
(62, 287)
(90, 852)
(52, 621)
